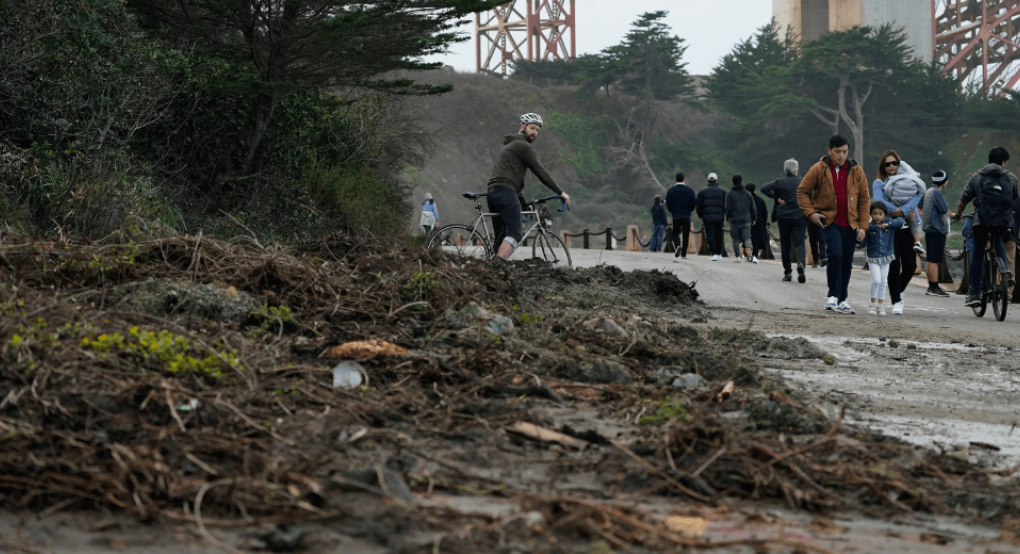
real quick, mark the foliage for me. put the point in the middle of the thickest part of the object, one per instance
(170, 352)
(540, 72)
(586, 137)
(356, 193)
(653, 60)
(670, 408)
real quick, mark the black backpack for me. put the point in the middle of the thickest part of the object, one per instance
(995, 201)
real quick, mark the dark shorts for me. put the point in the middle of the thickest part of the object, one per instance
(508, 223)
(935, 243)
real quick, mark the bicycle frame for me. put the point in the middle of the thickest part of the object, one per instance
(484, 230)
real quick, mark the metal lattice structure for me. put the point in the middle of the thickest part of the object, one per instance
(524, 30)
(978, 41)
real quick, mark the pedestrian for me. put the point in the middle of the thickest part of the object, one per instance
(429, 219)
(880, 243)
(790, 219)
(994, 191)
(903, 187)
(935, 223)
(506, 185)
(740, 213)
(760, 229)
(659, 222)
(681, 201)
(902, 269)
(834, 196)
(711, 208)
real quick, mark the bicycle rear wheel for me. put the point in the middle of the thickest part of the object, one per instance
(550, 248)
(461, 241)
(1000, 291)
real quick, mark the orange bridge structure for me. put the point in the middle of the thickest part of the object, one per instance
(524, 30)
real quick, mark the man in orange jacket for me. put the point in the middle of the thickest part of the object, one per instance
(834, 195)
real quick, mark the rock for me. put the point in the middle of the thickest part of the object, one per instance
(283, 539)
(181, 299)
(597, 371)
(607, 326)
(829, 359)
(473, 315)
(894, 344)
(690, 382)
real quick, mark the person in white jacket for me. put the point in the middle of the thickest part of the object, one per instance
(903, 187)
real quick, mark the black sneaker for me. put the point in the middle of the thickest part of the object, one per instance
(937, 291)
(814, 265)
(825, 261)
(787, 277)
(972, 301)
(800, 273)
(678, 252)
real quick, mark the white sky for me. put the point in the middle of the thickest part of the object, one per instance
(710, 28)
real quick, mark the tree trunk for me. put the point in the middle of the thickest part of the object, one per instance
(249, 138)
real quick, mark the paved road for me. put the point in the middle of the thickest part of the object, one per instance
(759, 287)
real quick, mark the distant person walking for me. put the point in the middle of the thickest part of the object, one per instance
(760, 228)
(659, 222)
(994, 191)
(879, 241)
(935, 224)
(429, 215)
(741, 214)
(506, 186)
(681, 201)
(834, 196)
(711, 208)
(902, 269)
(789, 217)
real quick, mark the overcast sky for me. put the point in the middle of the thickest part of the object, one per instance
(710, 28)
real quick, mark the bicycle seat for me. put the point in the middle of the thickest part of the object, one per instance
(475, 195)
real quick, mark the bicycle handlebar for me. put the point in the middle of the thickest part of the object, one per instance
(563, 202)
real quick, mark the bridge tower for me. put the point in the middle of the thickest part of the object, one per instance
(979, 42)
(524, 30)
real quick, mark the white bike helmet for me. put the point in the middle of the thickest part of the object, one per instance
(531, 118)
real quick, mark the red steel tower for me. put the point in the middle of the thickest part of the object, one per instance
(524, 30)
(978, 41)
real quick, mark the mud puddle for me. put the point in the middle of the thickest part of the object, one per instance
(962, 399)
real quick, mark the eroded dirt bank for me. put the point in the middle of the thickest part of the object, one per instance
(521, 409)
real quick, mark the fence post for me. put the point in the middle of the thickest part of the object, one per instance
(609, 238)
(587, 243)
(633, 243)
(566, 238)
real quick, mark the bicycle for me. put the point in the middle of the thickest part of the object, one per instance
(995, 280)
(477, 240)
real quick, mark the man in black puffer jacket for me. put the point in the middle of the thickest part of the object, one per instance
(711, 209)
(791, 220)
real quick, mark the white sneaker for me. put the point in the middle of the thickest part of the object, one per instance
(897, 308)
(831, 303)
(716, 257)
(844, 308)
(754, 260)
(881, 310)
(738, 260)
(872, 310)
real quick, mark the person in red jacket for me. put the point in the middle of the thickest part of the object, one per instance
(834, 195)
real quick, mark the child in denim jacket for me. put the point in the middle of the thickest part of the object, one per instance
(881, 252)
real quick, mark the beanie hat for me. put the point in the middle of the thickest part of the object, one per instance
(713, 177)
(939, 177)
(428, 196)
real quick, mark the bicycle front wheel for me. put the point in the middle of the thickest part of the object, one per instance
(1000, 291)
(550, 248)
(461, 241)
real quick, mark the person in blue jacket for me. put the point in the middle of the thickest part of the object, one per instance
(881, 244)
(681, 201)
(659, 222)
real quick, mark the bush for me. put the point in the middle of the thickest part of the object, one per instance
(356, 194)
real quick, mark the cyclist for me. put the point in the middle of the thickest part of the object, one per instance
(993, 190)
(506, 186)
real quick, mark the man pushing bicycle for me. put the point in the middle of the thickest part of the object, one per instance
(993, 190)
(506, 186)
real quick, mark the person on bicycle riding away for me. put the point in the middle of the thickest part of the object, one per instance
(993, 190)
(506, 186)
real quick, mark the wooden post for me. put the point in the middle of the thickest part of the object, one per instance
(667, 241)
(609, 238)
(694, 243)
(587, 241)
(566, 238)
(633, 243)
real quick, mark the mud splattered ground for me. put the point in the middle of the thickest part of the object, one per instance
(520, 409)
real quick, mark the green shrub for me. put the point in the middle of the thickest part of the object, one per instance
(355, 192)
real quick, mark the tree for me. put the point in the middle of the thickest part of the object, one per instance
(543, 71)
(653, 60)
(295, 45)
(599, 71)
(854, 63)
